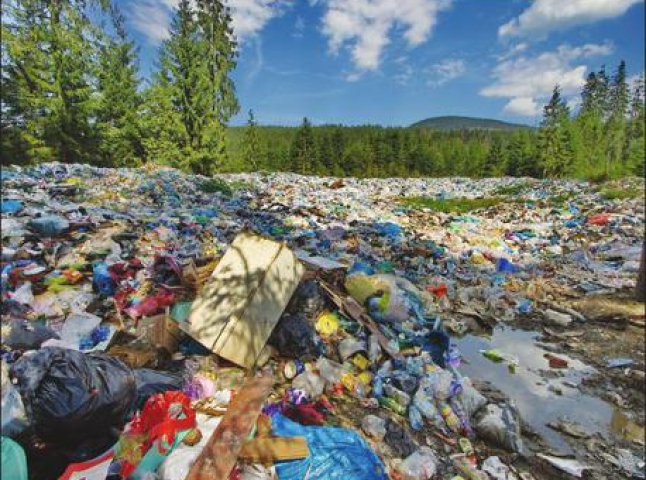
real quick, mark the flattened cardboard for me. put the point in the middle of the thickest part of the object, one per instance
(239, 306)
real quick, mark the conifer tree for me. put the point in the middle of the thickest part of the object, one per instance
(118, 99)
(251, 144)
(555, 143)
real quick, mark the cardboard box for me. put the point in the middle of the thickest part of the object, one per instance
(160, 331)
(239, 306)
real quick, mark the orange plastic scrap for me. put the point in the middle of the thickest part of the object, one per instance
(219, 456)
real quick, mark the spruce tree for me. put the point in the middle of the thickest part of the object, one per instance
(118, 99)
(303, 149)
(555, 143)
(616, 124)
(47, 73)
(251, 144)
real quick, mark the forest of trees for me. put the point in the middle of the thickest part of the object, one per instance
(71, 92)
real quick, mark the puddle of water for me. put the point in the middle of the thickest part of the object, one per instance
(538, 405)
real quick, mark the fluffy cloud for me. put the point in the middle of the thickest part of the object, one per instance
(528, 81)
(364, 26)
(523, 106)
(544, 16)
(446, 70)
(248, 17)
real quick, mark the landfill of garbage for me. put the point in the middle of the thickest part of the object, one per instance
(163, 326)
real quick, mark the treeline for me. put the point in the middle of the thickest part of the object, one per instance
(603, 139)
(71, 92)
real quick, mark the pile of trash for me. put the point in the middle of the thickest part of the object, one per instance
(155, 326)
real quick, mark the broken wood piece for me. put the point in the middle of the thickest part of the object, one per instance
(221, 452)
(350, 307)
(268, 450)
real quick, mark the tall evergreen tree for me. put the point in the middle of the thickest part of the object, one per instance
(303, 150)
(555, 143)
(251, 144)
(49, 58)
(118, 99)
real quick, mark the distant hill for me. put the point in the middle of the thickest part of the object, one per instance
(467, 123)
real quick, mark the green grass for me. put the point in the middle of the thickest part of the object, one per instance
(512, 189)
(450, 205)
(620, 193)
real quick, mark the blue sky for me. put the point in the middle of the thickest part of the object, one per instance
(393, 62)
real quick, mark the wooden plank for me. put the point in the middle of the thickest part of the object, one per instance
(350, 307)
(220, 453)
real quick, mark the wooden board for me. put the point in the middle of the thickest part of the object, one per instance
(220, 453)
(236, 311)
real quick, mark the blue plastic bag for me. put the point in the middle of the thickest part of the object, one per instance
(102, 280)
(335, 454)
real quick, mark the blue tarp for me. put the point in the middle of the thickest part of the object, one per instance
(335, 454)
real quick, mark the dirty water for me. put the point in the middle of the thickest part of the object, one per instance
(532, 389)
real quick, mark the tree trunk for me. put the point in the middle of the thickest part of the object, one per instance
(640, 290)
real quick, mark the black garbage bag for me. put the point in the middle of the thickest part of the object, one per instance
(399, 440)
(71, 397)
(149, 382)
(294, 337)
(26, 335)
(308, 300)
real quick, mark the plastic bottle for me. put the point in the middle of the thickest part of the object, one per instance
(450, 418)
(399, 396)
(415, 418)
(392, 405)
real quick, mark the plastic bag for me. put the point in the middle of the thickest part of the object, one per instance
(70, 396)
(335, 454)
(28, 335)
(14, 462)
(500, 426)
(294, 337)
(162, 424)
(470, 398)
(178, 463)
(421, 465)
(49, 225)
(374, 427)
(14, 420)
(309, 382)
(149, 382)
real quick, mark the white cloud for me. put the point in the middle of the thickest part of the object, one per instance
(544, 16)
(299, 27)
(528, 81)
(523, 106)
(446, 70)
(248, 17)
(364, 26)
(151, 19)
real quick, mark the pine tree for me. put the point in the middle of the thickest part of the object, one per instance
(218, 99)
(251, 144)
(195, 65)
(633, 154)
(496, 161)
(303, 149)
(118, 99)
(555, 143)
(49, 56)
(616, 125)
